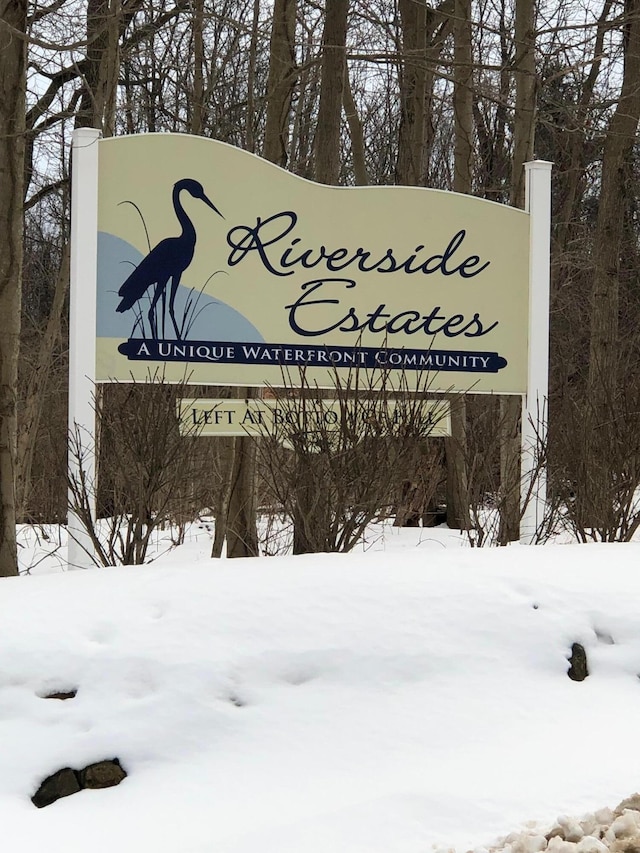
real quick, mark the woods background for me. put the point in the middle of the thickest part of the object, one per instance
(456, 96)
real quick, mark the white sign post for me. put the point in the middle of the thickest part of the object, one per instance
(535, 401)
(82, 332)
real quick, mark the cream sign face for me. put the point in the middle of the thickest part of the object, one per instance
(216, 265)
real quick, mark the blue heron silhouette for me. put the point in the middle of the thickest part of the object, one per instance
(168, 260)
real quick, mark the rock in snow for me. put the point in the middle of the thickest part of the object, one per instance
(63, 783)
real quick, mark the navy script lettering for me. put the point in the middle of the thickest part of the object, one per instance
(378, 321)
(268, 240)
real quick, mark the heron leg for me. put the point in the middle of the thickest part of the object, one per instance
(153, 323)
(163, 312)
(175, 282)
(153, 318)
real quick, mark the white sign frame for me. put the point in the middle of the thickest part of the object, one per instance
(82, 324)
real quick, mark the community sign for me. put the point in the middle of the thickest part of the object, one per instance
(218, 267)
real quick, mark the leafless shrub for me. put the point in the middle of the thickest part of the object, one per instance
(150, 476)
(44, 497)
(332, 471)
(596, 465)
(486, 496)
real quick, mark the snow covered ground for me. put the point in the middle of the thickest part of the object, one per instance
(408, 697)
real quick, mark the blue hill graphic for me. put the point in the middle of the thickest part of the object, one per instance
(208, 318)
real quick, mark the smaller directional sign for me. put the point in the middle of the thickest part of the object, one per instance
(206, 417)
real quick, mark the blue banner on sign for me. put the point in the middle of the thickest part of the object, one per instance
(287, 355)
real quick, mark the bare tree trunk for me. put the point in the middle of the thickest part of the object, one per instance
(97, 109)
(327, 142)
(13, 20)
(493, 155)
(456, 445)
(578, 135)
(237, 515)
(281, 81)
(463, 98)
(237, 510)
(524, 130)
(355, 131)
(35, 393)
(309, 513)
(607, 250)
(97, 106)
(413, 91)
(424, 31)
(242, 534)
(225, 448)
(197, 99)
(303, 118)
(608, 256)
(525, 112)
(251, 79)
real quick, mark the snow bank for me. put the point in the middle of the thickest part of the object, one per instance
(394, 701)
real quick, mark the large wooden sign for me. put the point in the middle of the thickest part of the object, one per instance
(194, 260)
(218, 266)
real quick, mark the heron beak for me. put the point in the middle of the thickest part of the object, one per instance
(211, 205)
